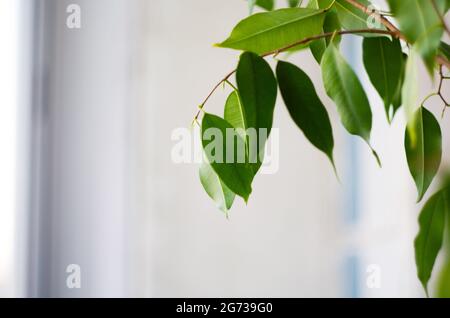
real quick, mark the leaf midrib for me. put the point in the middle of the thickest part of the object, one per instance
(350, 12)
(274, 27)
(347, 97)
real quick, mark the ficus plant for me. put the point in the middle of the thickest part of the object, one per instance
(394, 42)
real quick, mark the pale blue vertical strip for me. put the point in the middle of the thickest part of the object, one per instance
(352, 179)
(352, 270)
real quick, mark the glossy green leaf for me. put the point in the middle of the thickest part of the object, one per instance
(319, 4)
(423, 154)
(345, 89)
(234, 173)
(397, 101)
(305, 107)
(269, 31)
(383, 60)
(421, 25)
(330, 24)
(266, 4)
(257, 87)
(352, 18)
(431, 233)
(234, 112)
(215, 188)
(443, 288)
(294, 3)
(444, 49)
(410, 91)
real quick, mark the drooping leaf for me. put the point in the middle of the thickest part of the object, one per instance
(266, 4)
(444, 49)
(294, 3)
(257, 87)
(225, 160)
(345, 89)
(305, 107)
(352, 18)
(397, 101)
(431, 232)
(421, 25)
(330, 24)
(410, 91)
(443, 288)
(269, 31)
(383, 60)
(319, 4)
(263, 4)
(234, 112)
(425, 152)
(215, 188)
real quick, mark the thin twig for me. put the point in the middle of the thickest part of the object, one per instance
(444, 25)
(439, 59)
(290, 46)
(439, 92)
(391, 30)
(212, 92)
(379, 17)
(326, 35)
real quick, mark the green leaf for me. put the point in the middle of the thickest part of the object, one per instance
(215, 188)
(234, 172)
(397, 101)
(383, 61)
(234, 112)
(345, 89)
(444, 49)
(421, 25)
(305, 107)
(330, 24)
(266, 4)
(269, 31)
(443, 289)
(294, 3)
(431, 232)
(410, 90)
(353, 18)
(319, 4)
(257, 87)
(424, 154)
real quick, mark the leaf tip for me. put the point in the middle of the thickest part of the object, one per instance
(333, 164)
(420, 196)
(377, 157)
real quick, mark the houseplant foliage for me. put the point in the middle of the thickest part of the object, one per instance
(394, 42)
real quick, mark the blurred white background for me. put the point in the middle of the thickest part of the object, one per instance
(97, 186)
